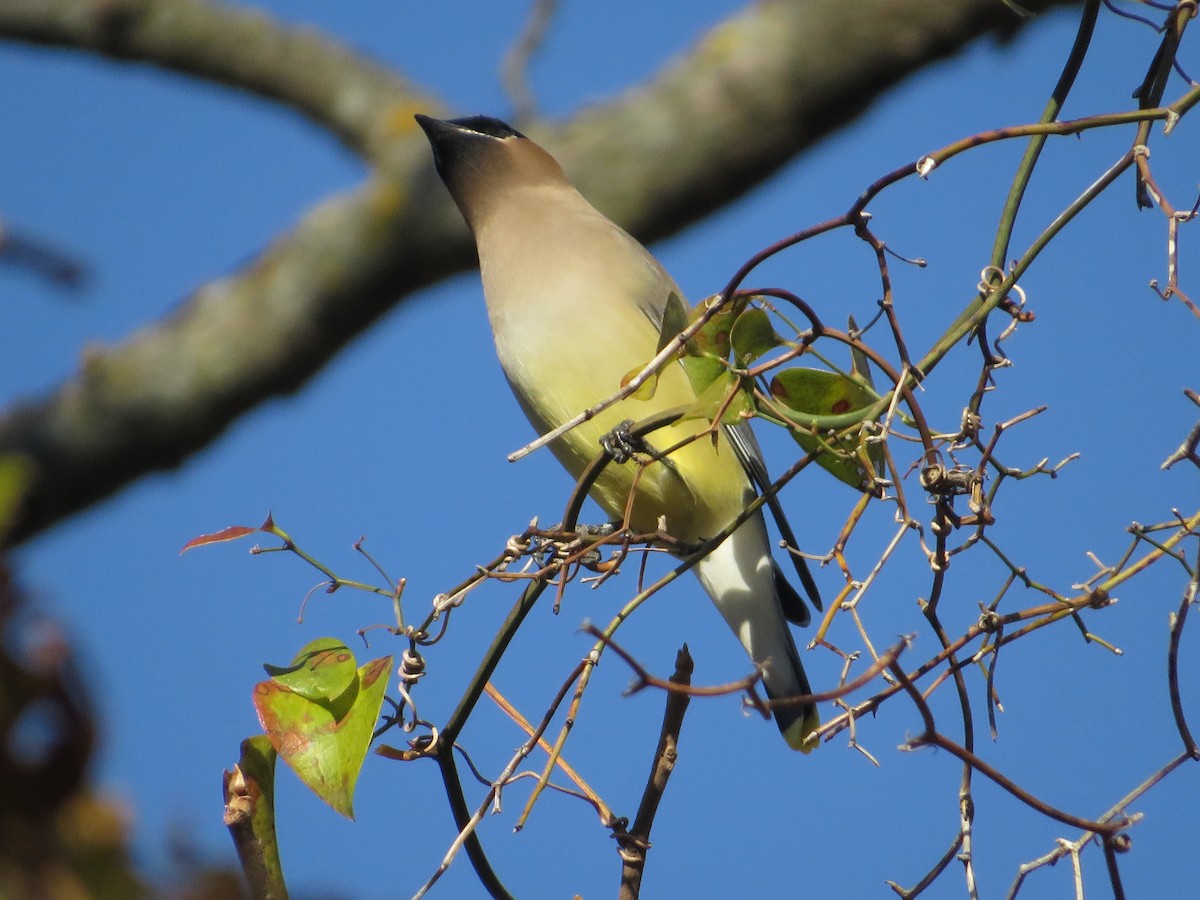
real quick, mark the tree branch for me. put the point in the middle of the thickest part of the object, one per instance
(359, 100)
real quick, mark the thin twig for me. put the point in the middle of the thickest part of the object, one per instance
(633, 844)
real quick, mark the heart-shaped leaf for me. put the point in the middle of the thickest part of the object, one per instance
(752, 336)
(816, 392)
(325, 739)
(706, 355)
(321, 671)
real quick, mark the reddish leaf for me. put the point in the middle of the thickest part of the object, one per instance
(232, 533)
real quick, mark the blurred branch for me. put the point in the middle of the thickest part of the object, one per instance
(40, 257)
(514, 69)
(786, 73)
(360, 101)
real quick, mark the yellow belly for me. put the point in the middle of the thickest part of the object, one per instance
(699, 489)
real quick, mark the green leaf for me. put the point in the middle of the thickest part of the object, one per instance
(816, 392)
(702, 371)
(325, 742)
(752, 336)
(706, 354)
(860, 367)
(716, 401)
(646, 389)
(675, 320)
(321, 671)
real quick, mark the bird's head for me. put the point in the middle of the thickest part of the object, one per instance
(481, 159)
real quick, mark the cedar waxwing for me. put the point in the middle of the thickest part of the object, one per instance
(575, 305)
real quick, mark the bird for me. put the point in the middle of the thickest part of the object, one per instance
(575, 305)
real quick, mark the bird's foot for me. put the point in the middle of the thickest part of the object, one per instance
(620, 444)
(601, 530)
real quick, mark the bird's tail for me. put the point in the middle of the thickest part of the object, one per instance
(740, 576)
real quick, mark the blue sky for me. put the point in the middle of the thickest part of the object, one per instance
(161, 183)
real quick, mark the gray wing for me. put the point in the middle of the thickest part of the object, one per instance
(750, 455)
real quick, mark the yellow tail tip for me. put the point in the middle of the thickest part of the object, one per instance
(801, 734)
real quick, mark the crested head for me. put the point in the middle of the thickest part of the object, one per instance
(485, 126)
(480, 158)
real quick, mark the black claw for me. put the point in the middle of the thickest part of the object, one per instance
(620, 444)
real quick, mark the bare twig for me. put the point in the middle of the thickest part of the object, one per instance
(633, 844)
